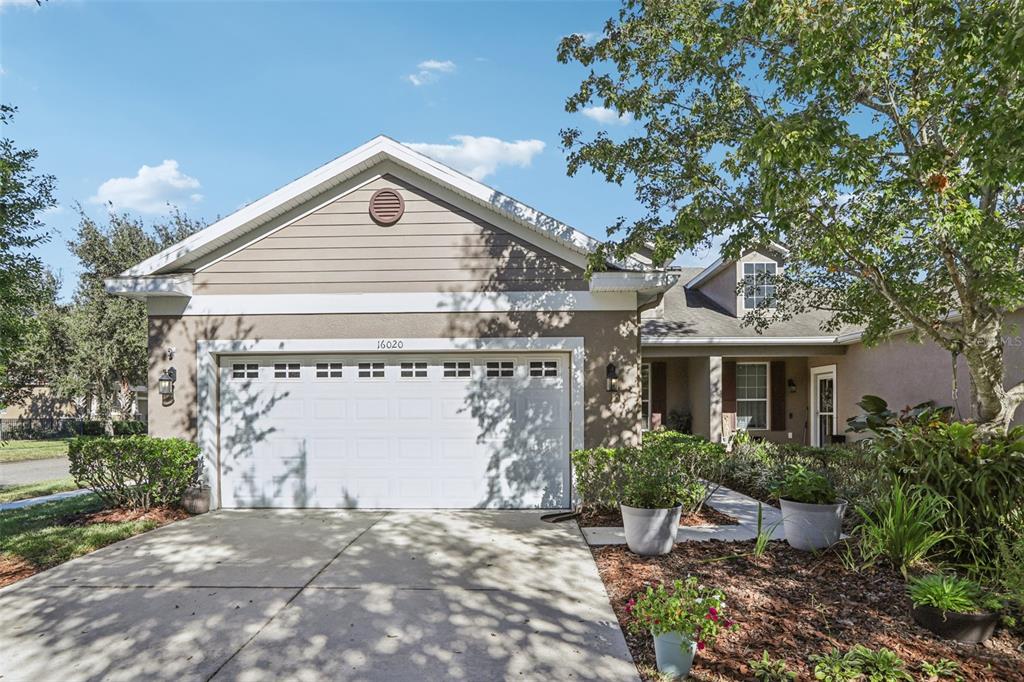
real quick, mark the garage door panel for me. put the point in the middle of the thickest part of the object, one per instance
(394, 441)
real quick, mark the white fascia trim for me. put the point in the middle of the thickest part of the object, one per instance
(413, 302)
(144, 287)
(207, 388)
(738, 340)
(647, 282)
(713, 269)
(335, 172)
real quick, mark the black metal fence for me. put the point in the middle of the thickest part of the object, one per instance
(63, 427)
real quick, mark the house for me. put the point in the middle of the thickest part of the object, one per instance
(791, 382)
(387, 332)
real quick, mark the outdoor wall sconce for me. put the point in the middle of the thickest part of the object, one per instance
(791, 385)
(166, 383)
(611, 374)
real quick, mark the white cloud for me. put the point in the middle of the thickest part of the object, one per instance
(152, 188)
(607, 116)
(479, 157)
(430, 70)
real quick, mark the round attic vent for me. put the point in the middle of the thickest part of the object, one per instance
(386, 206)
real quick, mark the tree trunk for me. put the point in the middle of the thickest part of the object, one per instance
(992, 405)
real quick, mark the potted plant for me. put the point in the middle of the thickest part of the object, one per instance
(196, 497)
(812, 514)
(653, 485)
(953, 608)
(683, 618)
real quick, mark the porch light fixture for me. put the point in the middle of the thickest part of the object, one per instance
(611, 374)
(791, 385)
(166, 382)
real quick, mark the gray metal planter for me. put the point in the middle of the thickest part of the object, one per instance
(650, 532)
(674, 653)
(812, 526)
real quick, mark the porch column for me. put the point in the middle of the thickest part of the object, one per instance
(715, 398)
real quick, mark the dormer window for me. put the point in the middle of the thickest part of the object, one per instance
(758, 284)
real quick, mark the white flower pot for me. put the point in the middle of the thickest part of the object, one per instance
(812, 526)
(650, 532)
(674, 653)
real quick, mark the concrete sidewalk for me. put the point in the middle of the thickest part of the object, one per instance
(317, 595)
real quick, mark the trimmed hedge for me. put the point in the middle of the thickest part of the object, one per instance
(136, 472)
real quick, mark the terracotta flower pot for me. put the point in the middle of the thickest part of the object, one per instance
(970, 628)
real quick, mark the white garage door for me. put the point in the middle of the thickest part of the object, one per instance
(452, 430)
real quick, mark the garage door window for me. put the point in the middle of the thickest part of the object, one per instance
(500, 369)
(287, 370)
(414, 370)
(328, 370)
(371, 370)
(454, 370)
(242, 370)
(544, 368)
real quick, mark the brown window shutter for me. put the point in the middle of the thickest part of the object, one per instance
(778, 389)
(729, 387)
(659, 391)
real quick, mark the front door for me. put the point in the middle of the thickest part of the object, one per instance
(823, 405)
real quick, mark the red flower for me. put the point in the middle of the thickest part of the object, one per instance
(728, 623)
(700, 646)
(713, 614)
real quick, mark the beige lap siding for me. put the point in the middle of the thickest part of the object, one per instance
(905, 373)
(609, 418)
(435, 246)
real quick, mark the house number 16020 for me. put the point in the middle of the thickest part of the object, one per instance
(389, 344)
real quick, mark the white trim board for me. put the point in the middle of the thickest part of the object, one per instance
(737, 340)
(208, 352)
(815, 372)
(410, 302)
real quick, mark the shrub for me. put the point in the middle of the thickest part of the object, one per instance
(950, 593)
(93, 427)
(594, 473)
(981, 475)
(130, 427)
(696, 612)
(800, 484)
(135, 471)
(903, 526)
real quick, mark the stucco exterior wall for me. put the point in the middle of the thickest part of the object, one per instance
(906, 373)
(609, 418)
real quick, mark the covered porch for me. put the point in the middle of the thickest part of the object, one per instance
(774, 391)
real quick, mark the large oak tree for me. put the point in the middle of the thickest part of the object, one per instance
(881, 140)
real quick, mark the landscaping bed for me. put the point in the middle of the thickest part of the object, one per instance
(706, 516)
(793, 605)
(35, 538)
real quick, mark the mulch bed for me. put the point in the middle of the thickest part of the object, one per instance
(13, 569)
(794, 604)
(160, 515)
(613, 517)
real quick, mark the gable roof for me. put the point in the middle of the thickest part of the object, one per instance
(322, 179)
(722, 263)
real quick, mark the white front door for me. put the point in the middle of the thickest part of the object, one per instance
(823, 405)
(398, 431)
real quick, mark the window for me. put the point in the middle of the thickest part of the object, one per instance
(758, 286)
(286, 370)
(500, 369)
(242, 370)
(328, 370)
(544, 368)
(645, 394)
(414, 370)
(371, 370)
(455, 369)
(752, 395)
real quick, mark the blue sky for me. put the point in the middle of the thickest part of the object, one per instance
(226, 101)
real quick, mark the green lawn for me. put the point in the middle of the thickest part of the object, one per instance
(38, 534)
(23, 450)
(23, 492)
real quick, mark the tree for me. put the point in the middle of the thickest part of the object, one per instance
(23, 281)
(882, 141)
(108, 335)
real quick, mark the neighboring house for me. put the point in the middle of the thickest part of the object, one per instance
(792, 382)
(42, 405)
(387, 332)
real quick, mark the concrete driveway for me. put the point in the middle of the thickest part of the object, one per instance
(322, 595)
